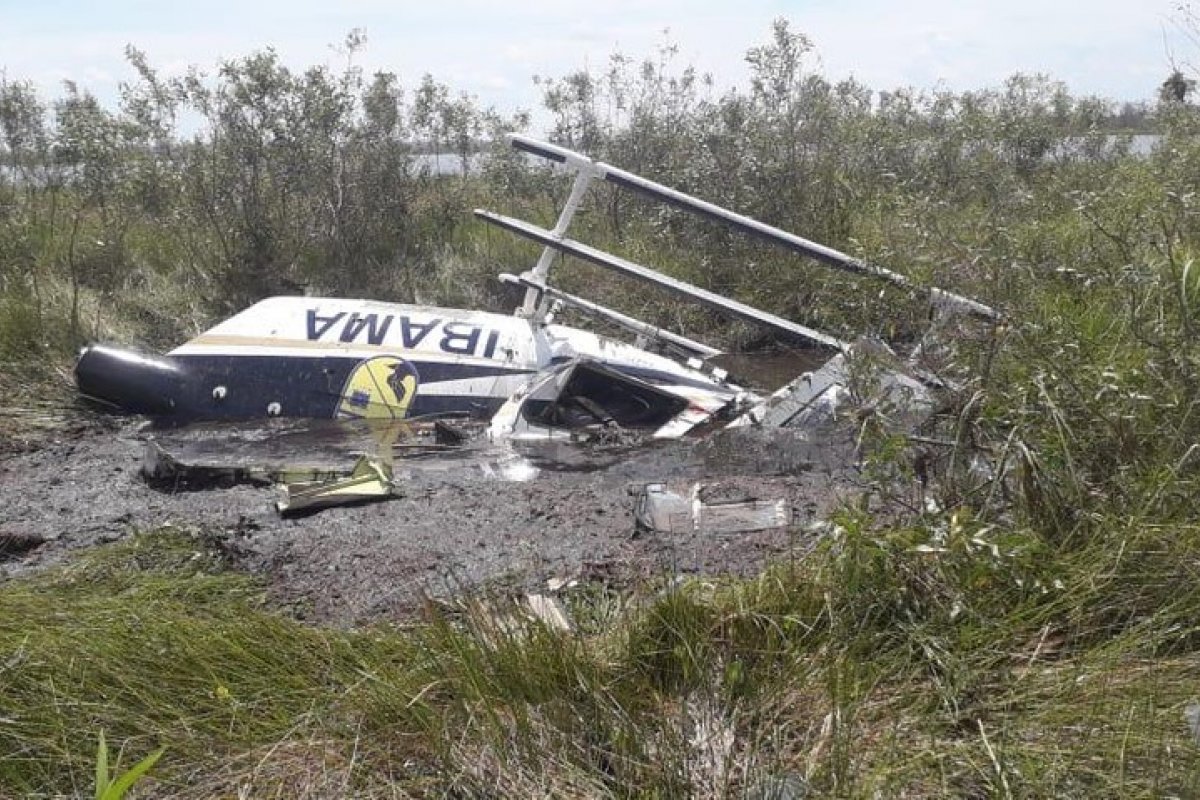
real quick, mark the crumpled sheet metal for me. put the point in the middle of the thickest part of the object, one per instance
(681, 509)
(371, 479)
(866, 375)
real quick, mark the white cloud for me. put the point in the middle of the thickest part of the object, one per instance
(1105, 46)
(498, 82)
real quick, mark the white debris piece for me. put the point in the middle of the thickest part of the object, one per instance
(678, 509)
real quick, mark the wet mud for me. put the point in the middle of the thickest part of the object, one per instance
(458, 524)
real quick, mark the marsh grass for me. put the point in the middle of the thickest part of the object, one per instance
(934, 661)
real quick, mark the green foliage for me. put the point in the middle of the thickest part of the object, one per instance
(889, 661)
(291, 180)
(110, 788)
(318, 180)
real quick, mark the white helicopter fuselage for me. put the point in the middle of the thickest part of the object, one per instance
(340, 358)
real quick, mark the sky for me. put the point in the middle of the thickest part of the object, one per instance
(1119, 49)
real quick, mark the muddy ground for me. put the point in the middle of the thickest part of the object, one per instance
(455, 527)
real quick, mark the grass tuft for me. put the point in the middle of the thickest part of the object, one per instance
(938, 661)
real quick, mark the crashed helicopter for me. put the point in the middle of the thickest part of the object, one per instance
(530, 378)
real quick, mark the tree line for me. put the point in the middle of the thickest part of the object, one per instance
(200, 193)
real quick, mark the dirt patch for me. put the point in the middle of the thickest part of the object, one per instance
(450, 530)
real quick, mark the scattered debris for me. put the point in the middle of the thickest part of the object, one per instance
(453, 530)
(305, 453)
(444, 433)
(549, 611)
(265, 451)
(1191, 715)
(558, 584)
(699, 508)
(371, 479)
(867, 376)
(784, 786)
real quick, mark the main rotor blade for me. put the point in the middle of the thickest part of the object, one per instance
(630, 269)
(797, 244)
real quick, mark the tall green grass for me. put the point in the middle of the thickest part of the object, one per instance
(946, 660)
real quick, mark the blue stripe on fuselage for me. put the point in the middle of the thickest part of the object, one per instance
(311, 386)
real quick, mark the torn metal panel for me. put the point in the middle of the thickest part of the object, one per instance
(163, 466)
(549, 612)
(268, 450)
(371, 479)
(291, 451)
(583, 396)
(866, 377)
(589, 393)
(669, 508)
(803, 394)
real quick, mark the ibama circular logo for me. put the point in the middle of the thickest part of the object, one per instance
(382, 387)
